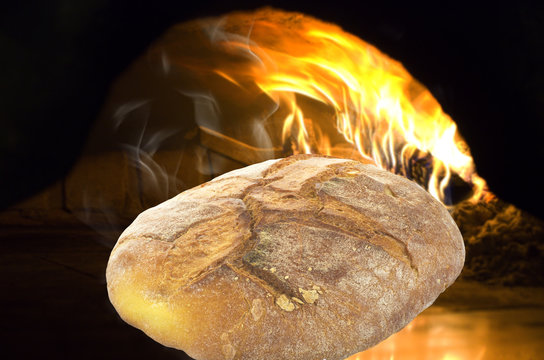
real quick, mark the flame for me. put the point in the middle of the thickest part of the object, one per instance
(378, 108)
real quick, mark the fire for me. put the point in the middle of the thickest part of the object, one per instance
(377, 108)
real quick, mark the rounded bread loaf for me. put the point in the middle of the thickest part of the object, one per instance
(307, 257)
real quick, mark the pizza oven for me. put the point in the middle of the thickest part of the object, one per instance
(219, 88)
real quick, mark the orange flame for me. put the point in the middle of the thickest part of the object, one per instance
(378, 108)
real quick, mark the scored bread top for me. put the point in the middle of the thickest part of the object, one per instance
(307, 257)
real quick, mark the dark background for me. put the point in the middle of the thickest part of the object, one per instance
(484, 64)
(58, 59)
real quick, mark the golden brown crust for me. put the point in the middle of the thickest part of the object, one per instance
(300, 258)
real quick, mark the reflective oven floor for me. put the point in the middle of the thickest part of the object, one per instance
(442, 334)
(54, 304)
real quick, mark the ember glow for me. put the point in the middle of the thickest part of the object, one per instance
(375, 106)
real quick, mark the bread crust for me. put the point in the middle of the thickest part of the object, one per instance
(307, 257)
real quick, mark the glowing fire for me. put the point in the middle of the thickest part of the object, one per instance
(378, 108)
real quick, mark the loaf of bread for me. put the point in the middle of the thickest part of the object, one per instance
(306, 258)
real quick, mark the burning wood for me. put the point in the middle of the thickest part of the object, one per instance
(235, 149)
(367, 100)
(418, 168)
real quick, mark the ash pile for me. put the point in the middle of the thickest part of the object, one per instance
(504, 245)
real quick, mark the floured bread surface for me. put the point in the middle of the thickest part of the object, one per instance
(306, 257)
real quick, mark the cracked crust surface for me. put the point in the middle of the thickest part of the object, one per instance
(306, 257)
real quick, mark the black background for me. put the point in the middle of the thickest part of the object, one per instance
(484, 64)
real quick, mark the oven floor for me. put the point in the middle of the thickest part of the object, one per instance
(443, 334)
(54, 304)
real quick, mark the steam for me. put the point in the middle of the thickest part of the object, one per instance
(219, 37)
(238, 83)
(156, 151)
(122, 112)
(261, 136)
(207, 110)
(165, 62)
